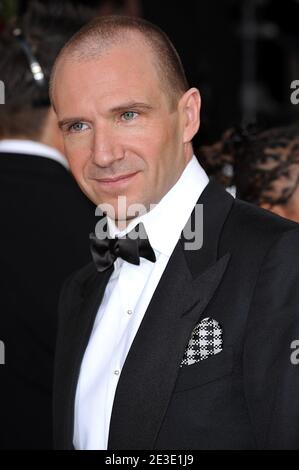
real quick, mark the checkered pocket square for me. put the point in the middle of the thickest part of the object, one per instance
(205, 341)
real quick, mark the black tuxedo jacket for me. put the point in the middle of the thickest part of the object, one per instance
(45, 222)
(246, 277)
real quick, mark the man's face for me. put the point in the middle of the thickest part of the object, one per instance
(121, 135)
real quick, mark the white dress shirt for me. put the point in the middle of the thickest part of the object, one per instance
(30, 147)
(126, 298)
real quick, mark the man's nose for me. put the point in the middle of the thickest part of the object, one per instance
(106, 148)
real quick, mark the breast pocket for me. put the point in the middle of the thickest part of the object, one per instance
(205, 371)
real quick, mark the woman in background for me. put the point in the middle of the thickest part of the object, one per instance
(262, 167)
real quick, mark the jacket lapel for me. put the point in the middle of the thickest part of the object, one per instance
(152, 365)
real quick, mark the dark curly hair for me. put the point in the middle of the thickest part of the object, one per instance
(264, 165)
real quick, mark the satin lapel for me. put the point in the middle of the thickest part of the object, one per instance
(85, 307)
(152, 365)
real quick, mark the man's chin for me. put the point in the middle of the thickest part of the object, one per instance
(121, 208)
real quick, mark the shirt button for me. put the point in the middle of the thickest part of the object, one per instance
(116, 372)
(129, 312)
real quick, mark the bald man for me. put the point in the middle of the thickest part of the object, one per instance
(166, 343)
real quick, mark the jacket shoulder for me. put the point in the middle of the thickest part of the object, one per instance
(253, 225)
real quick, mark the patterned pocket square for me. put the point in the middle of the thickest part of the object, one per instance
(205, 341)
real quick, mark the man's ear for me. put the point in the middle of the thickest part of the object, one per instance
(190, 107)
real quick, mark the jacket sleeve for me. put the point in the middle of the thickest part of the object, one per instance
(271, 376)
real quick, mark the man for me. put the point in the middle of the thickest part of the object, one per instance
(45, 222)
(189, 345)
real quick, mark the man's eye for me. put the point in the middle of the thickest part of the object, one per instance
(129, 115)
(78, 127)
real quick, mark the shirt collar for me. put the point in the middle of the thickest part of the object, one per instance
(165, 221)
(30, 147)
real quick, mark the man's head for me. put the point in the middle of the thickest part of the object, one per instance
(124, 107)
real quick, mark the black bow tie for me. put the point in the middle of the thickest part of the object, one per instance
(130, 248)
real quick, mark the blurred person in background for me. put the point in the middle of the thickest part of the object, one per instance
(217, 160)
(45, 221)
(262, 166)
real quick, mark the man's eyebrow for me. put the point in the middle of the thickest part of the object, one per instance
(130, 105)
(72, 120)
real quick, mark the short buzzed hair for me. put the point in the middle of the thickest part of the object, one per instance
(107, 31)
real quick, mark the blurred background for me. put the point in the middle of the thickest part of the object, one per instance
(241, 54)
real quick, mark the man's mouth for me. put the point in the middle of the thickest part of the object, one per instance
(115, 178)
(116, 181)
